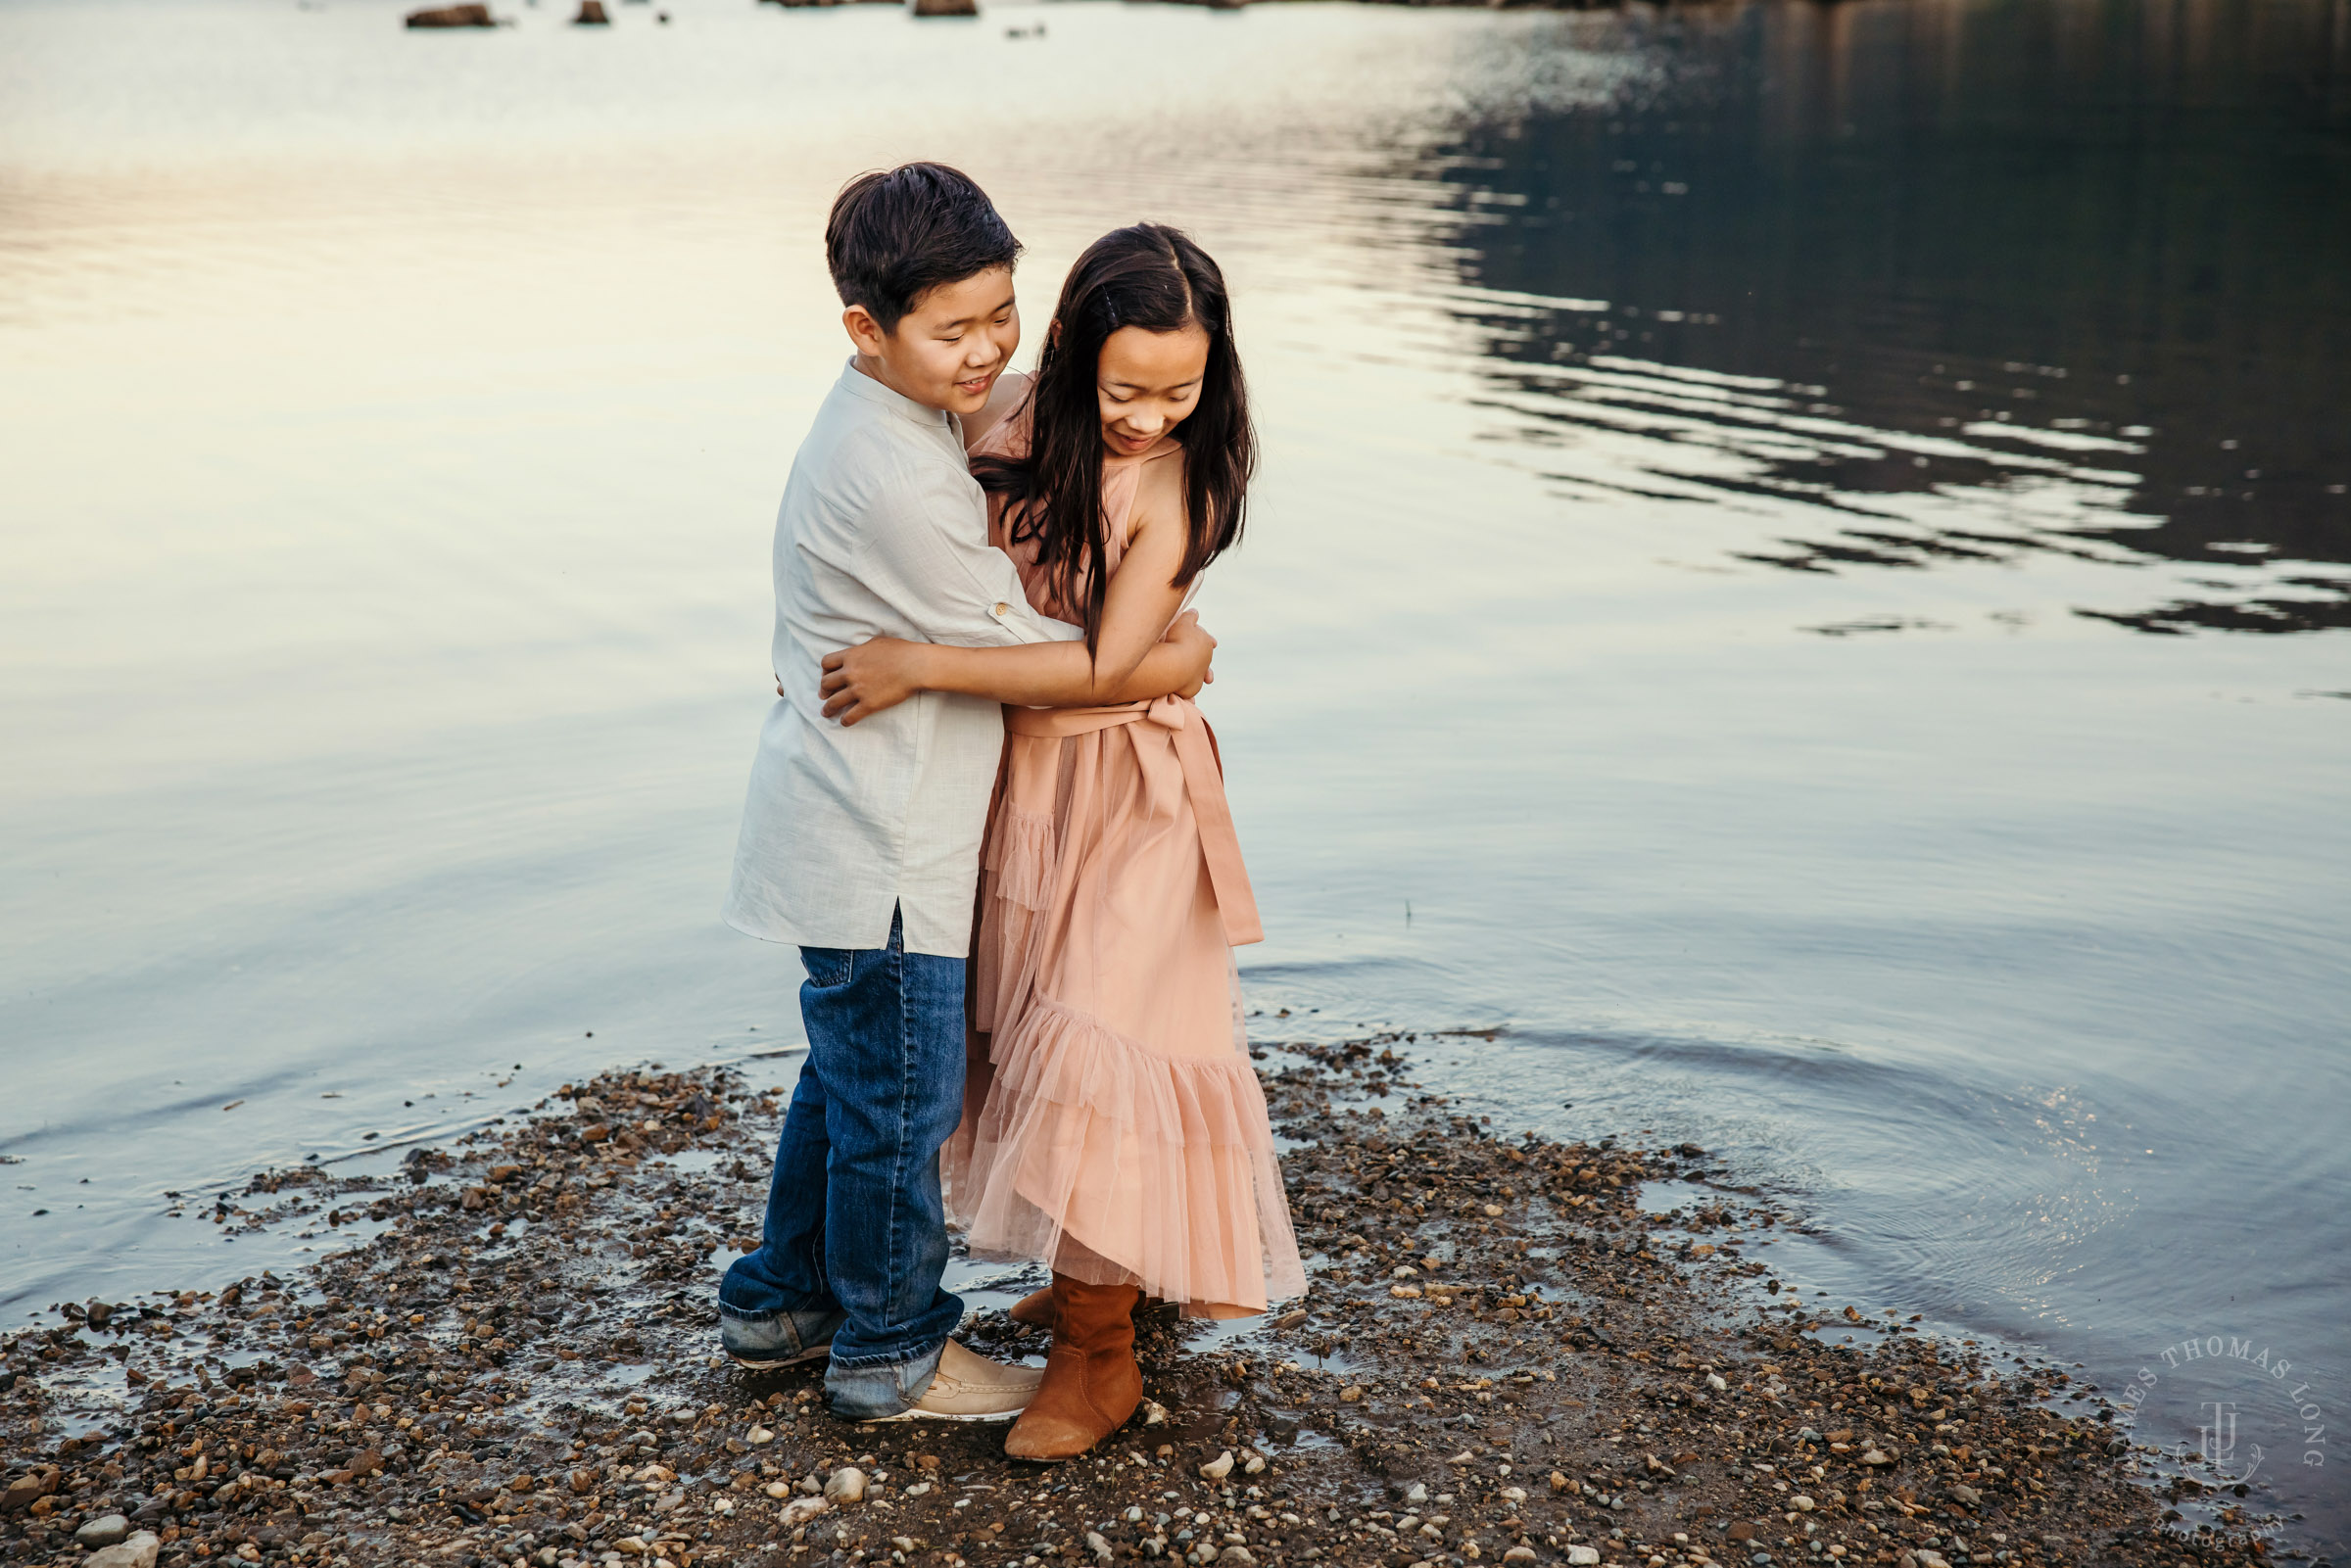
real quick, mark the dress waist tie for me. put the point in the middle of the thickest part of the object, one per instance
(1203, 781)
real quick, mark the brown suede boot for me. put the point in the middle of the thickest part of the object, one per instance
(1036, 1308)
(1092, 1383)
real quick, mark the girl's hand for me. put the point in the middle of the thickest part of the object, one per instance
(875, 675)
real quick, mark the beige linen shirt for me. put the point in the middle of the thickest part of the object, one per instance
(882, 532)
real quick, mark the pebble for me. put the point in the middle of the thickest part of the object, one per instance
(1415, 1492)
(759, 1436)
(1966, 1493)
(1218, 1468)
(104, 1531)
(846, 1486)
(1582, 1556)
(1520, 1554)
(1876, 1456)
(136, 1552)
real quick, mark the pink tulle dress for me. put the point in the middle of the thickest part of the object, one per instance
(1113, 1128)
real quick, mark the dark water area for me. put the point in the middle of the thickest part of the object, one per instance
(1801, 590)
(2127, 222)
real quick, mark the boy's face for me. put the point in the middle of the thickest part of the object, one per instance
(947, 351)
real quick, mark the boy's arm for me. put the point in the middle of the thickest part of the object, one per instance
(923, 549)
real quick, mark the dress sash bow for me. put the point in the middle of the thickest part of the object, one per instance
(1203, 783)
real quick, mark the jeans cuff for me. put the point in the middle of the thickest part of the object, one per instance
(779, 1335)
(876, 1391)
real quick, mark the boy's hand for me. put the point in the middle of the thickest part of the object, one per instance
(877, 674)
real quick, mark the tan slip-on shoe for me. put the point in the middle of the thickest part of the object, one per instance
(971, 1388)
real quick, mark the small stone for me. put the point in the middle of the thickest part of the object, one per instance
(1351, 1396)
(1415, 1492)
(1256, 1465)
(629, 1546)
(1876, 1456)
(1238, 1556)
(906, 1542)
(1218, 1468)
(1462, 1457)
(1966, 1493)
(759, 1436)
(1800, 1503)
(1582, 1556)
(1715, 1382)
(799, 1510)
(104, 1531)
(1514, 1495)
(1154, 1413)
(1559, 1482)
(779, 1490)
(1520, 1554)
(1093, 1543)
(1929, 1557)
(846, 1486)
(136, 1552)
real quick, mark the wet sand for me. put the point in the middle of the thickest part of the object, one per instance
(1501, 1356)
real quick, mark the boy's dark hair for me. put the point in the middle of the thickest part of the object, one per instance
(895, 236)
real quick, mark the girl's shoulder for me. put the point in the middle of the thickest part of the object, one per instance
(1159, 490)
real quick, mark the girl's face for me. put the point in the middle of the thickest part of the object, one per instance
(1147, 383)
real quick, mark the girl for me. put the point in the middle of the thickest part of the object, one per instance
(1113, 1128)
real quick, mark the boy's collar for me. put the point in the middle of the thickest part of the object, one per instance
(897, 402)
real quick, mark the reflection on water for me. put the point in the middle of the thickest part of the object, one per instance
(1719, 461)
(1949, 284)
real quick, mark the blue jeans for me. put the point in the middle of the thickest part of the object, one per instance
(855, 1223)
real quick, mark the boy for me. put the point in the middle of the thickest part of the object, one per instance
(860, 844)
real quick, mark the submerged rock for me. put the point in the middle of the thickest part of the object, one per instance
(452, 16)
(592, 14)
(946, 8)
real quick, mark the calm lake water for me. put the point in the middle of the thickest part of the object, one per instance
(1803, 573)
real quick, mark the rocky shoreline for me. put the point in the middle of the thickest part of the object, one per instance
(1503, 1356)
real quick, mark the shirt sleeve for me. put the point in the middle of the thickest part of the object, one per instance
(926, 551)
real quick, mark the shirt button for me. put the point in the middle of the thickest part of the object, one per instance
(1002, 608)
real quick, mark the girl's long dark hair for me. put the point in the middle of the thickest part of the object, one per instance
(1154, 278)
